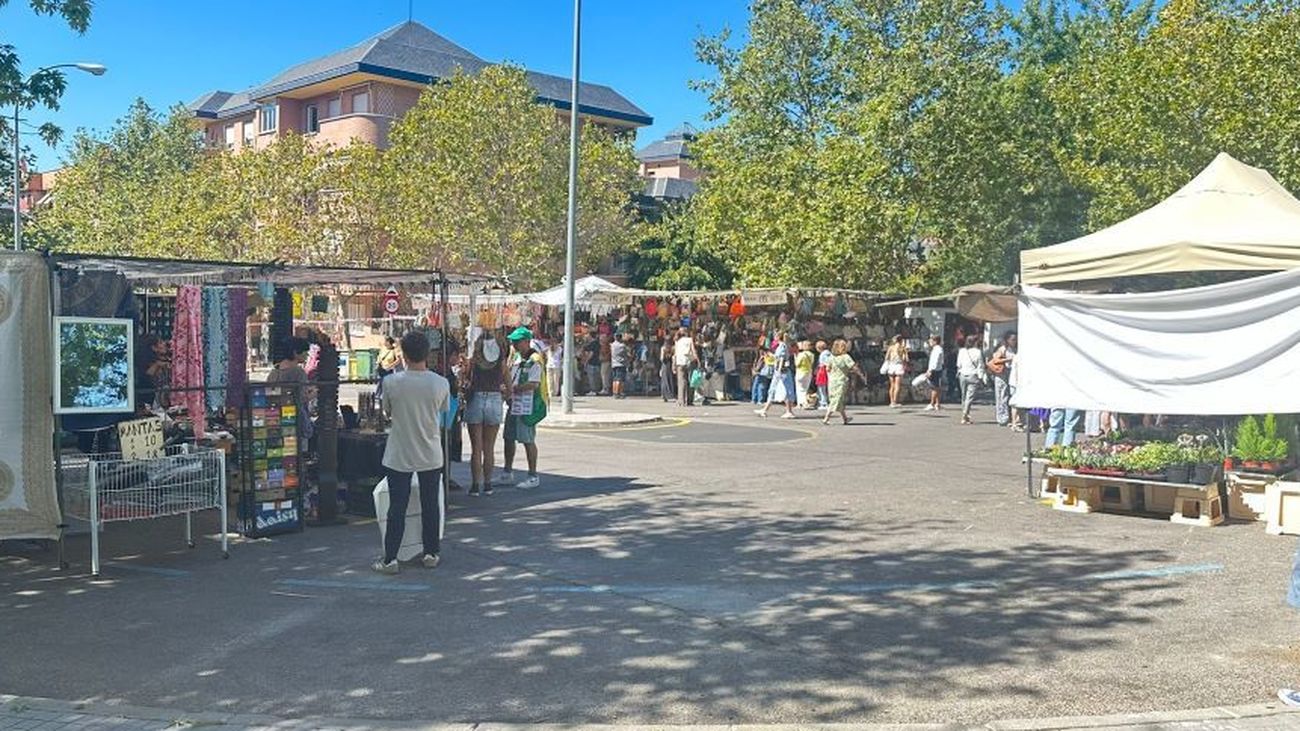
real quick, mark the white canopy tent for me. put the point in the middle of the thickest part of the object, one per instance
(1230, 217)
(583, 289)
(1224, 349)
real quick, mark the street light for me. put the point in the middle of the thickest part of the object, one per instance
(571, 249)
(90, 68)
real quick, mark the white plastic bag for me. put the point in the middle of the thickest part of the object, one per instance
(920, 380)
(412, 538)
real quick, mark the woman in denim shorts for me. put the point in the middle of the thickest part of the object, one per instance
(484, 409)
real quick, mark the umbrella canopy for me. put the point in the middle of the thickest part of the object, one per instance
(1230, 217)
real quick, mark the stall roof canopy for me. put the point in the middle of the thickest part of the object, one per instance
(174, 272)
(1230, 217)
(583, 289)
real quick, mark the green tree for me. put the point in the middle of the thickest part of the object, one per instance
(478, 175)
(129, 191)
(670, 256)
(40, 89)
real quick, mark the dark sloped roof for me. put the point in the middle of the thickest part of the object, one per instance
(412, 52)
(676, 188)
(663, 150)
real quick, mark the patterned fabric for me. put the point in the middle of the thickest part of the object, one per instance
(216, 344)
(29, 506)
(187, 355)
(237, 367)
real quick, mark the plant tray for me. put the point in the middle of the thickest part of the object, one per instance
(1101, 472)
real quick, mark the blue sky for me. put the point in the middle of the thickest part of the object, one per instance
(170, 51)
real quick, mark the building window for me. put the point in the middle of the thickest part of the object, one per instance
(268, 117)
(361, 102)
(248, 132)
(334, 108)
(312, 114)
(230, 136)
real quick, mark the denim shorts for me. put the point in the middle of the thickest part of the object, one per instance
(619, 373)
(518, 431)
(485, 407)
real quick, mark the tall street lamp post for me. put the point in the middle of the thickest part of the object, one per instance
(90, 68)
(571, 252)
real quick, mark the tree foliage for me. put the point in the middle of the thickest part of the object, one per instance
(670, 256)
(921, 144)
(477, 174)
(480, 173)
(42, 88)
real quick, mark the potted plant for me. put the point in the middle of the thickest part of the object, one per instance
(1272, 449)
(1183, 459)
(1207, 461)
(1249, 446)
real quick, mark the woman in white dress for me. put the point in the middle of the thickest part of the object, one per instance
(895, 367)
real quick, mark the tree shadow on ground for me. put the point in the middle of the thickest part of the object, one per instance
(603, 601)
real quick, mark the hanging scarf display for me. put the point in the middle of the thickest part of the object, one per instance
(187, 355)
(237, 338)
(216, 344)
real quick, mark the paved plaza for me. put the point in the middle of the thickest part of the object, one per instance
(718, 570)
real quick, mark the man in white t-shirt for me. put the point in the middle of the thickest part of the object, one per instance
(414, 399)
(684, 359)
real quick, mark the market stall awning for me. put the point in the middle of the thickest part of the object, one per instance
(986, 302)
(174, 272)
(1230, 217)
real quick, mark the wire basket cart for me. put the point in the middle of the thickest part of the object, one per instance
(105, 488)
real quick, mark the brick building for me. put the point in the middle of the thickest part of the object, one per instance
(358, 93)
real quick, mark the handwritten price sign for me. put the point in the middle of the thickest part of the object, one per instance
(141, 439)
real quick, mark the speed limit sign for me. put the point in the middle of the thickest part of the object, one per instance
(391, 305)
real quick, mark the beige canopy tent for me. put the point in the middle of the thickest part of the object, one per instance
(1230, 217)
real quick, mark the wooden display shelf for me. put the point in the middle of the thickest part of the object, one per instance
(1189, 504)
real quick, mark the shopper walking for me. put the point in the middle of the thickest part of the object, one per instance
(970, 371)
(783, 383)
(684, 358)
(525, 379)
(387, 365)
(619, 359)
(591, 364)
(1286, 695)
(606, 366)
(804, 362)
(555, 365)
(840, 366)
(1061, 426)
(895, 367)
(999, 366)
(667, 380)
(762, 372)
(414, 400)
(484, 409)
(822, 375)
(934, 372)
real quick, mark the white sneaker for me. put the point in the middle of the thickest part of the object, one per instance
(388, 569)
(788, 415)
(506, 478)
(1289, 697)
(761, 412)
(929, 407)
(530, 483)
(431, 560)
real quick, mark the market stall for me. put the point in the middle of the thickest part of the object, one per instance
(1225, 349)
(191, 371)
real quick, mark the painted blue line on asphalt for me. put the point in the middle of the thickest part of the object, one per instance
(156, 570)
(357, 584)
(1157, 573)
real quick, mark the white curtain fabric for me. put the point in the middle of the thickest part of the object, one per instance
(29, 506)
(1225, 349)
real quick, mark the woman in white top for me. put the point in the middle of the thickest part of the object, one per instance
(554, 353)
(895, 367)
(934, 371)
(970, 371)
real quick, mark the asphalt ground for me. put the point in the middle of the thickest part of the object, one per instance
(724, 569)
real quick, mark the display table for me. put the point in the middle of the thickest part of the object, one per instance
(1186, 503)
(1247, 493)
(361, 457)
